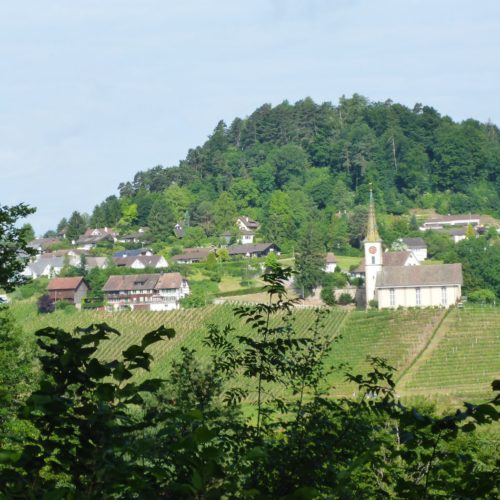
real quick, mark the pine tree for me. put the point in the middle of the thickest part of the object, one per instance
(310, 260)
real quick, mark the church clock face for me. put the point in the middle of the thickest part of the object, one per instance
(372, 250)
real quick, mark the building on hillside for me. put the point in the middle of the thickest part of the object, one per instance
(93, 262)
(44, 267)
(135, 237)
(243, 237)
(192, 255)
(154, 292)
(458, 234)
(73, 257)
(397, 258)
(416, 245)
(89, 242)
(398, 281)
(441, 221)
(43, 244)
(100, 231)
(179, 230)
(72, 290)
(330, 262)
(255, 250)
(133, 253)
(141, 262)
(247, 224)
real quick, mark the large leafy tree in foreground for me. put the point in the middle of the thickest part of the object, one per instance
(14, 249)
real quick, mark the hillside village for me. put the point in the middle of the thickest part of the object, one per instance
(399, 276)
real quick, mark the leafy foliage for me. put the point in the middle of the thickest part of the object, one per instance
(13, 244)
(102, 431)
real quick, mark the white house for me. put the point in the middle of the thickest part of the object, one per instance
(47, 267)
(247, 224)
(416, 245)
(441, 221)
(330, 262)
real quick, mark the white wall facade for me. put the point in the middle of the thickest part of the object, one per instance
(425, 296)
(420, 253)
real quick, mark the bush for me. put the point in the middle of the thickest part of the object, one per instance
(345, 299)
(64, 305)
(482, 295)
(34, 287)
(373, 304)
(328, 295)
(45, 304)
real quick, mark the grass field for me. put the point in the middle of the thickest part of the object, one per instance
(454, 354)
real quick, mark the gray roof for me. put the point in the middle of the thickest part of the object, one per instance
(251, 248)
(131, 253)
(413, 276)
(414, 242)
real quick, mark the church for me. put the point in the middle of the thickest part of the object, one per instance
(396, 279)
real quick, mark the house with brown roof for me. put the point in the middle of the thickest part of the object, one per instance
(153, 292)
(72, 290)
(191, 255)
(396, 279)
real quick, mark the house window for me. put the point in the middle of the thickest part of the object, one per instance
(417, 298)
(444, 299)
(373, 259)
(392, 297)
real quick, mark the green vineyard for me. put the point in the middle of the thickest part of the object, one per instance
(454, 353)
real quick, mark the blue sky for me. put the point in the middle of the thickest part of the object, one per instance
(93, 91)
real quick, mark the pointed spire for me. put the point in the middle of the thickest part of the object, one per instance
(372, 232)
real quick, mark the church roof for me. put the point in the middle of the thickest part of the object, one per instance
(417, 276)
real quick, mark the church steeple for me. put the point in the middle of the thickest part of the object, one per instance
(372, 231)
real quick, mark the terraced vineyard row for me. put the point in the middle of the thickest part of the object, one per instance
(397, 336)
(466, 356)
(461, 358)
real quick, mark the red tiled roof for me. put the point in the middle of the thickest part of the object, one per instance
(65, 283)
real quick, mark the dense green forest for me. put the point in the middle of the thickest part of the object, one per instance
(291, 163)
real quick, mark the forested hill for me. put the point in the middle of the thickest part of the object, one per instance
(290, 163)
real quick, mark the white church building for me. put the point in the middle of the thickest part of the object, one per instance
(396, 279)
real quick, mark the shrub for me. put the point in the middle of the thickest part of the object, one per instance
(34, 287)
(328, 295)
(482, 295)
(373, 304)
(345, 299)
(64, 305)
(45, 304)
